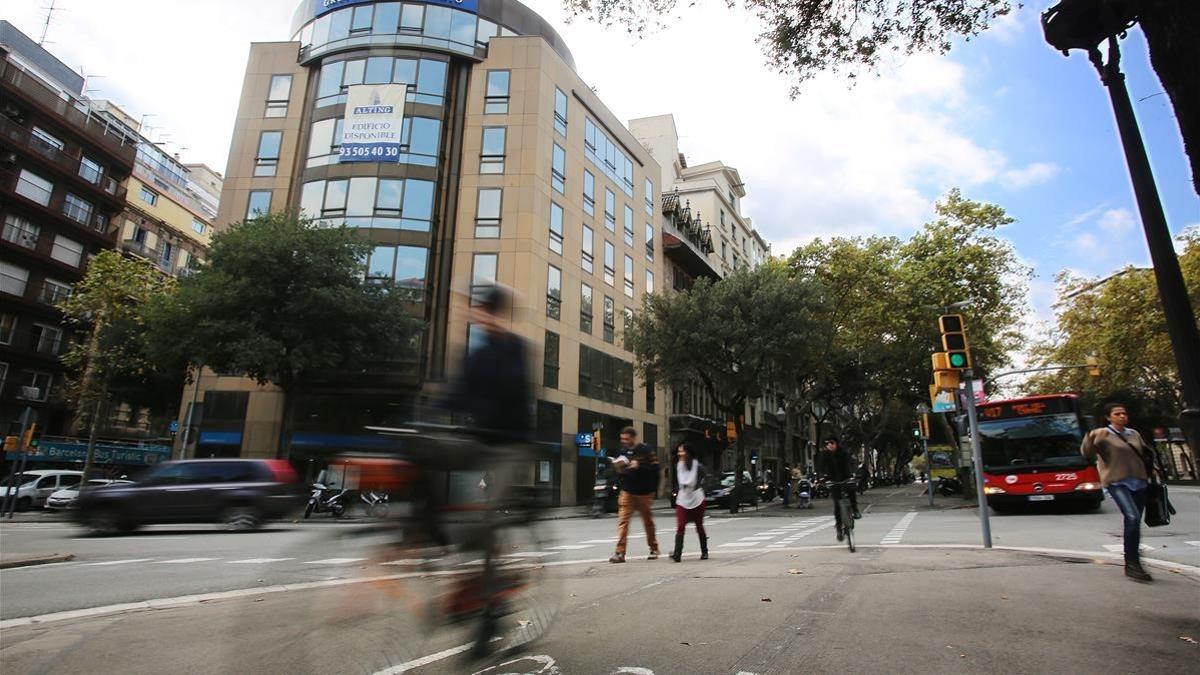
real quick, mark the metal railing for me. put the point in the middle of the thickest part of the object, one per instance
(67, 162)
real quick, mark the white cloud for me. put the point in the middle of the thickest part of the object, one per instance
(1033, 174)
(1009, 27)
(1116, 221)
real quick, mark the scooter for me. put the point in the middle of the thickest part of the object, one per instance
(324, 499)
(820, 489)
(804, 494)
(948, 487)
(375, 503)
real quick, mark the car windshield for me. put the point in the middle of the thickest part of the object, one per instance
(1045, 440)
(27, 478)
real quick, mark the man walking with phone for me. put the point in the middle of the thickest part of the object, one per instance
(637, 471)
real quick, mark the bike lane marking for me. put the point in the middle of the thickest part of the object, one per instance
(898, 530)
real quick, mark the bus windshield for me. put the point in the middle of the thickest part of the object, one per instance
(1044, 440)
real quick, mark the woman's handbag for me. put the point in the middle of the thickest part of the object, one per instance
(1158, 505)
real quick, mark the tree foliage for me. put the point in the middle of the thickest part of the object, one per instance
(284, 302)
(879, 326)
(734, 337)
(1120, 321)
(802, 38)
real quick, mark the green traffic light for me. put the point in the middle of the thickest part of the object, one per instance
(958, 360)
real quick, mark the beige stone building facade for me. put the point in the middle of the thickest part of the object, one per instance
(511, 170)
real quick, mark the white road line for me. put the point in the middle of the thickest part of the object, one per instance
(1118, 548)
(530, 554)
(599, 541)
(1192, 543)
(117, 562)
(898, 530)
(257, 561)
(426, 660)
(570, 547)
(758, 537)
(409, 561)
(333, 561)
(181, 561)
(739, 544)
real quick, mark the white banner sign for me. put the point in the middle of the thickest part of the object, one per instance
(374, 119)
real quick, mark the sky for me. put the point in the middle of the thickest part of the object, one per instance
(1003, 117)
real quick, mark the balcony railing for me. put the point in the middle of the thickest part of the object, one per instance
(73, 111)
(92, 219)
(65, 161)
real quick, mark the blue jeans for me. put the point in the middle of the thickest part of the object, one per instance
(1132, 503)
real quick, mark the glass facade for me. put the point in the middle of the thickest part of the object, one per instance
(394, 23)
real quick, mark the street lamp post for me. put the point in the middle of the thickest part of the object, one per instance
(1085, 25)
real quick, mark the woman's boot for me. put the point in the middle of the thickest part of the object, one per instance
(703, 547)
(677, 555)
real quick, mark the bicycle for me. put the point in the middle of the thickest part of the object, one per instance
(844, 512)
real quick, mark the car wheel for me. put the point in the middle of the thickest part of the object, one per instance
(240, 519)
(308, 509)
(104, 522)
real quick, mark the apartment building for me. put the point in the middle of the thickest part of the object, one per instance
(62, 174)
(507, 169)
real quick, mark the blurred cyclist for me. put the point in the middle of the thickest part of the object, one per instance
(493, 388)
(837, 464)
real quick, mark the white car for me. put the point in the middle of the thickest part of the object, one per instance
(34, 487)
(65, 499)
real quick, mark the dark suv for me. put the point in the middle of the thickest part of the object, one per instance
(241, 493)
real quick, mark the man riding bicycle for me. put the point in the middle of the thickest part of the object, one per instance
(836, 464)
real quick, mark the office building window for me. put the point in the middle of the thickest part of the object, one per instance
(278, 95)
(67, 251)
(625, 326)
(560, 111)
(487, 213)
(8, 328)
(585, 308)
(649, 197)
(550, 361)
(259, 204)
(45, 339)
(628, 226)
(20, 231)
(628, 276)
(607, 156)
(491, 153)
(47, 139)
(649, 281)
(13, 279)
(610, 264)
(605, 378)
(77, 209)
(380, 203)
(40, 381)
(34, 188)
(587, 258)
(495, 101)
(610, 210)
(197, 226)
(610, 309)
(554, 292)
(267, 160)
(558, 169)
(91, 170)
(556, 228)
(147, 195)
(483, 275)
(649, 241)
(404, 268)
(589, 193)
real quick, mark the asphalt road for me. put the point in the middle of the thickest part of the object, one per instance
(167, 561)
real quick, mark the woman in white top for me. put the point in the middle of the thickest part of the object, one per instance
(689, 500)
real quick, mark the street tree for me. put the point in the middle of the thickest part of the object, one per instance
(108, 308)
(803, 38)
(1118, 319)
(284, 302)
(734, 337)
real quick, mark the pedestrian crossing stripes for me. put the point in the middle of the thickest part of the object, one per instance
(184, 561)
(1117, 548)
(335, 561)
(898, 530)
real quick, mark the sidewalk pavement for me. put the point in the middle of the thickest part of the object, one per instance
(881, 610)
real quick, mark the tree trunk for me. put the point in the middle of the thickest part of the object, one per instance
(92, 433)
(735, 497)
(1170, 30)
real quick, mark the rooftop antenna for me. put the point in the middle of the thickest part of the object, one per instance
(49, 17)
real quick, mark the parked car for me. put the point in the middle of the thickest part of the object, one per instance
(65, 499)
(240, 493)
(35, 487)
(719, 494)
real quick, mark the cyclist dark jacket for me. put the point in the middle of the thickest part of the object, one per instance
(838, 465)
(644, 479)
(494, 388)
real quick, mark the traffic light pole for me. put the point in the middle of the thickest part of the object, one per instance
(977, 460)
(928, 469)
(10, 498)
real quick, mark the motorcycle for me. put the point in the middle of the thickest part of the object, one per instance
(325, 499)
(948, 487)
(804, 494)
(375, 503)
(766, 492)
(820, 489)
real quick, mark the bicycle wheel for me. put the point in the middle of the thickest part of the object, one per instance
(847, 517)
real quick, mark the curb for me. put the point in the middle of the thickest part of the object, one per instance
(28, 561)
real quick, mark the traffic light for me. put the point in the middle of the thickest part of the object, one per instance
(596, 445)
(10, 443)
(954, 341)
(923, 425)
(1093, 366)
(29, 442)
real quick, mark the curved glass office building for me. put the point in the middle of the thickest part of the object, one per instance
(457, 136)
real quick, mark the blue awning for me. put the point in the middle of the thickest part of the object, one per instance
(220, 438)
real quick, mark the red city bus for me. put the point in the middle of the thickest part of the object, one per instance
(1031, 453)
